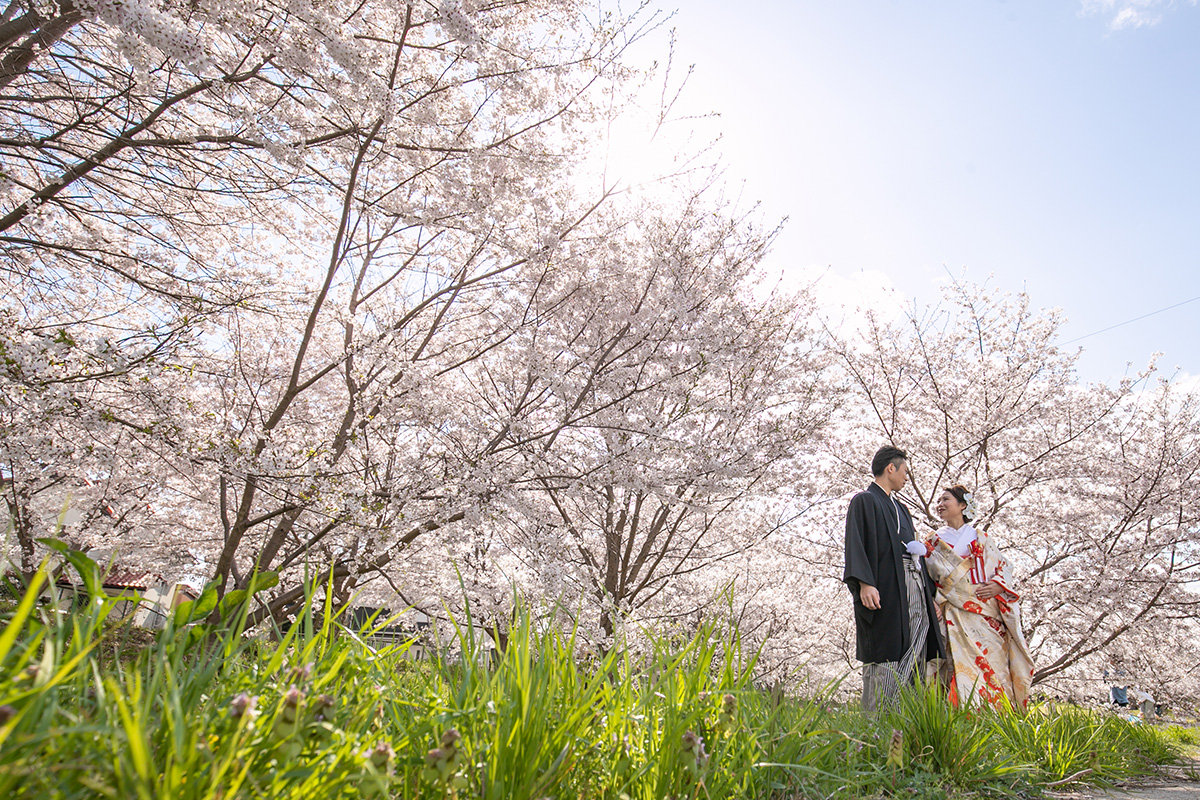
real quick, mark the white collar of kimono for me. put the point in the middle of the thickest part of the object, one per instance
(959, 539)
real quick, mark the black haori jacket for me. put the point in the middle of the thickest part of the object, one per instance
(873, 550)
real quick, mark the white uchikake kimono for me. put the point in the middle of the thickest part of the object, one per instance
(987, 649)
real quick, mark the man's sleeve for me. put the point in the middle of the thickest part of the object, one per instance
(858, 566)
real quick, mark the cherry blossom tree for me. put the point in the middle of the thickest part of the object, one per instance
(669, 403)
(68, 456)
(190, 162)
(339, 290)
(1088, 488)
(1123, 557)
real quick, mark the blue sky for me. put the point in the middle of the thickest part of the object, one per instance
(1052, 144)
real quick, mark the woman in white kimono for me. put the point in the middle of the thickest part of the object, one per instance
(975, 600)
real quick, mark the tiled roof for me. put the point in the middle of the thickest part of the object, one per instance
(118, 578)
(131, 579)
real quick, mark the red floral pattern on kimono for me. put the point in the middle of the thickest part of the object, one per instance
(990, 658)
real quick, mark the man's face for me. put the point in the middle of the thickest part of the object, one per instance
(896, 475)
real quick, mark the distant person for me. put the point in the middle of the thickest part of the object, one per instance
(894, 615)
(1145, 703)
(982, 617)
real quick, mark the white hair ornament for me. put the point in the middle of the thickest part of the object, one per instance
(972, 509)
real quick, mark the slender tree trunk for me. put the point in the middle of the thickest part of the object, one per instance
(42, 34)
(22, 526)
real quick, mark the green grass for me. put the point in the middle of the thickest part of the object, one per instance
(202, 711)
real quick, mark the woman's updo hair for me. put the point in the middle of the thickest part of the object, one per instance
(963, 496)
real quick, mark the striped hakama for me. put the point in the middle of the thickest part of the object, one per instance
(882, 681)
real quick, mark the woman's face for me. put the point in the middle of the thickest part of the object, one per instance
(948, 507)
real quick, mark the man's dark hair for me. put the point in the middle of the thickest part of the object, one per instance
(884, 456)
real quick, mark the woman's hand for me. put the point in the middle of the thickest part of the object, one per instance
(986, 591)
(941, 614)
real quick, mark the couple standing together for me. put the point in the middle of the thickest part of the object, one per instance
(946, 598)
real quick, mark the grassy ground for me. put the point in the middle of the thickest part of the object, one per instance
(202, 711)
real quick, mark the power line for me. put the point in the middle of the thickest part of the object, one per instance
(1128, 321)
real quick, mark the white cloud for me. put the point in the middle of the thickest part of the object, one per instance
(1132, 18)
(1186, 383)
(1130, 14)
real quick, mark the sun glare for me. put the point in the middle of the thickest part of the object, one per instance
(631, 156)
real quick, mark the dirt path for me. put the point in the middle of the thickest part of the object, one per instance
(1179, 784)
(1182, 790)
(1176, 791)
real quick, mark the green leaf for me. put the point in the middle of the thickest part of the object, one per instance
(195, 634)
(259, 581)
(207, 600)
(231, 601)
(135, 739)
(17, 622)
(201, 607)
(183, 613)
(88, 570)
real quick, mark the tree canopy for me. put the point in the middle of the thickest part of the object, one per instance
(339, 290)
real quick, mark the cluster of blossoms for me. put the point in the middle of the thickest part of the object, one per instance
(457, 23)
(156, 28)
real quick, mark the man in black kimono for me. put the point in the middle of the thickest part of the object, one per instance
(893, 595)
